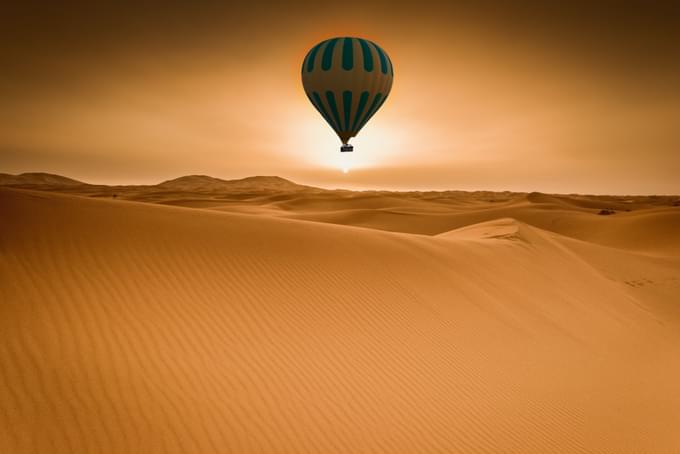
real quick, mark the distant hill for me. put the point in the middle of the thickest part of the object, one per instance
(188, 183)
(204, 183)
(37, 179)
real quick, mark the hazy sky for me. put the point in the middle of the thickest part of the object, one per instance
(581, 97)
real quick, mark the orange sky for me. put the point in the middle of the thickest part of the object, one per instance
(485, 96)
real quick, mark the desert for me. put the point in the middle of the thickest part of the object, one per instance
(258, 315)
(368, 226)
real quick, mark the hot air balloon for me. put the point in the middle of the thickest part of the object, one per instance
(347, 80)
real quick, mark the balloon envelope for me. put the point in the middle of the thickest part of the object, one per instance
(347, 80)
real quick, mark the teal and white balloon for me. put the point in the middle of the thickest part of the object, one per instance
(347, 80)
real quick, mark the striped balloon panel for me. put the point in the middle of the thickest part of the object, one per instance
(347, 80)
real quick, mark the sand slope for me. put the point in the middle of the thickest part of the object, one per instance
(564, 215)
(130, 327)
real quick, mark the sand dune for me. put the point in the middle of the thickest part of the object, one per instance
(132, 327)
(626, 229)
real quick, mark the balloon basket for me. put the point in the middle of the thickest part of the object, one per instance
(346, 147)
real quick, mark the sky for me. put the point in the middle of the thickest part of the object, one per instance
(582, 97)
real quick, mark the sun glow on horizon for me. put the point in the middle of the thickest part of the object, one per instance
(316, 143)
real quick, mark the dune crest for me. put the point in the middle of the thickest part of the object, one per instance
(498, 229)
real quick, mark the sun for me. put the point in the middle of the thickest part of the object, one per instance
(316, 143)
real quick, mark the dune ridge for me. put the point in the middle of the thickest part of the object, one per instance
(131, 327)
